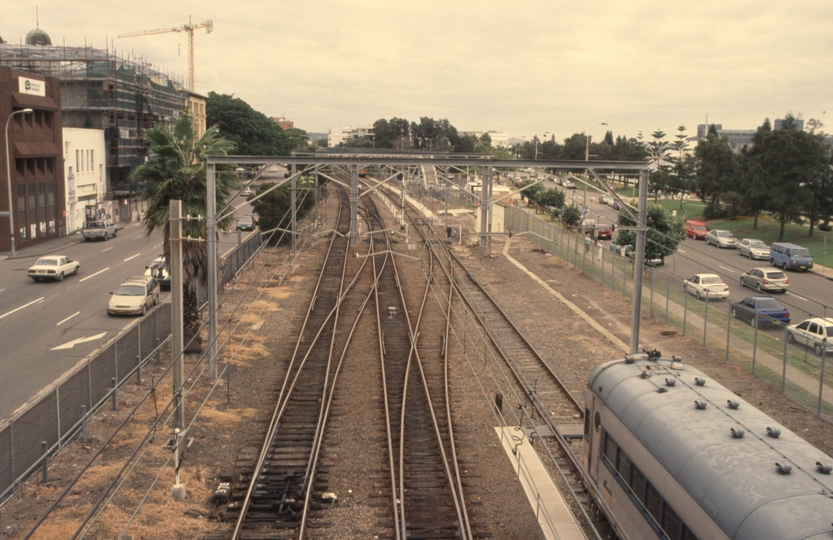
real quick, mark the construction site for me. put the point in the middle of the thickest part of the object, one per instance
(100, 89)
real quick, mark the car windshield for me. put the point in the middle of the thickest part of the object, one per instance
(94, 224)
(801, 253)
(130, 290)
(769, 303)
(828, 330)
(758, 244)
(46, 262)
(698, 228)
(711, 280)
(775, 275)
(726, 234)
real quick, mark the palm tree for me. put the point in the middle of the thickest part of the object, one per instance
(175, 169)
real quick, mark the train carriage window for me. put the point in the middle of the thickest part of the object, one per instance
(638, 483)
(610, 449)
(624, 467)
(653, 502)
(586, 423)
(671, 523)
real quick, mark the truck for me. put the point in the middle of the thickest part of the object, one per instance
(102, 229)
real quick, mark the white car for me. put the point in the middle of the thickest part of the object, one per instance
(754, 249)
(134, 297)
(814, 333)
(53, 267)
(722, 239)
(706, 286)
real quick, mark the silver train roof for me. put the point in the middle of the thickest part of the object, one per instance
(734, 480)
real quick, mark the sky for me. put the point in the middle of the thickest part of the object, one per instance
(545, 68)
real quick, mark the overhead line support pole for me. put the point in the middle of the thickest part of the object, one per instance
(175, 217)
(293, 208)
(639, 259)
(211, 233)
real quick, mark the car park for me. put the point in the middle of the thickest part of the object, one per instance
(246, 223)
(706, 286)
(814, 333)
(760, 311)
(765, 279)
(134, 297)
(696, 229)
(158, 269)
(786, 255)
(754, 249)
(54, 267)
(721, 239)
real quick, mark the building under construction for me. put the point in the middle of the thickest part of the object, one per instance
(101, 90)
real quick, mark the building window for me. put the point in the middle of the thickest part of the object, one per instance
(47, 116)
(50, 209)
(21, 212)
(42, 207)
(92, 160)
(32, 214)
(77, 162)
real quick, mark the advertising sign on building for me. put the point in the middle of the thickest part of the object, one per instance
(71, 187)
(31, 86)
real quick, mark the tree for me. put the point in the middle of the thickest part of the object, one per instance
(662, 238)
(275, 207)
(754, 180)
(716, 166)
(551, 197)
(658, 149)
(175, 170)
(252, 132)
(571, 215)
(393, 133)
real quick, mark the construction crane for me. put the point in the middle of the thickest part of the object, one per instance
(189, 28)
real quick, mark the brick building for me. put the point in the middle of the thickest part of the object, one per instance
(36, 164)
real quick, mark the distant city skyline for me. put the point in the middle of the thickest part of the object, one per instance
(524, 70)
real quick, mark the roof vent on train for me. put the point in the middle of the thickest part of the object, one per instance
(737, 433)
(676, 363)
(823, 468)
(783, 468)
(773, 432)
(699, 405)
(670, 381)
(699, 382)
(654, 355)
(732, 403)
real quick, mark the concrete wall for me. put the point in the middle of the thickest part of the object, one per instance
(85, 174)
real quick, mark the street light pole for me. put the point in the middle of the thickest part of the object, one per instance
(587, 141)
(9, 176)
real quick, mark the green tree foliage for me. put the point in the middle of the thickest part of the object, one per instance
(252, 132)
(551, 197)
(393, 133)
(717, 167)
(358, 142)
(570, 215)
(662, 238)
(532, 191)
(175, 170)
(275, 207)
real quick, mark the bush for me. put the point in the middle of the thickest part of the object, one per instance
(715, 210)
(826, 227)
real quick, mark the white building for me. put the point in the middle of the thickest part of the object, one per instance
(337, 135)
(85, 174)
(499, 139)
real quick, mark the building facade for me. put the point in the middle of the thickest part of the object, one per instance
(195, 104)
(338, 135)
(36, 165)
(86, 179)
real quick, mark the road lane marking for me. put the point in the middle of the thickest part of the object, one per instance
(1, 290)
(93, 275)
(797, 296)
(68, 318)
(680, 251)
(78, 341)
(133, 257)
(137, 237)
(728, 269)
(21, 307)
(108, 249)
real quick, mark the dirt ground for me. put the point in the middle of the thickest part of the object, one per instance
(233, 418)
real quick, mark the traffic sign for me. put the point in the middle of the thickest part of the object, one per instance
(4, 214)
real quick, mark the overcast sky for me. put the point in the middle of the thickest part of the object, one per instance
(523, 68)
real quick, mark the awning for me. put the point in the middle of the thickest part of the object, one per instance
(36, 149)
(35, 102)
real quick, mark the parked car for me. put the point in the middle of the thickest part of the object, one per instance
(53, 267)
(696, 229)
(134, 297)
(754, 249)
(814, 333)
(247, 191)
(760, 311)
(158, 269)
(246, 223)
(706, 285)
(765, 279)
(605, 199)
(568, 184)
(721, 239)
(785, 255)
(597, 230)
(93, 230)
(627, 251)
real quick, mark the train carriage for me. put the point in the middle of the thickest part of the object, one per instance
(670, 453)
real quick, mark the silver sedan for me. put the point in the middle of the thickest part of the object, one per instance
(765, 279)
(721, 239)
(754, 249)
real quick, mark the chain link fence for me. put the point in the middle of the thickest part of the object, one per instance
(762, 346)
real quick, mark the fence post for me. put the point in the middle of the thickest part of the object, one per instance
(44, 462)
(685, 308)
(755, 342)
(728, 335)
(784, 370)
(821, 375)
(705, 317)
(113, 381)
(83, 423)
(667, 295)
(651, 297)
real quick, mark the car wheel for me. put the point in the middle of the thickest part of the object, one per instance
(698, 295)
(734, 313)
(59, 277)
(760, 289)
(742, 282)
(87, 239)
(156, 300)
(144, 309)
(753, 322)
(115, 232)
(77, 269)
(817, 348)
(104, 238)
(750, 255)
(790, 337)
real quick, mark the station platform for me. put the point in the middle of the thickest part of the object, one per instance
(554, 517)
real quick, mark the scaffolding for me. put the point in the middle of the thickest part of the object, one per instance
(102, 90)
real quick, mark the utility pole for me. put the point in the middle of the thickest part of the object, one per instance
(293, 208)
(175, 209)
(639, 260)
(211, 245)
(354, 206)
